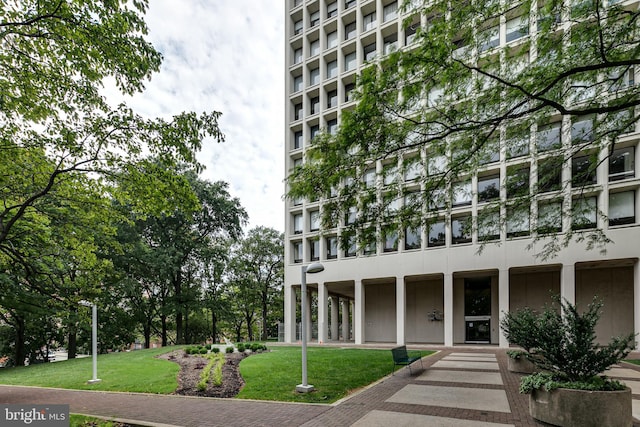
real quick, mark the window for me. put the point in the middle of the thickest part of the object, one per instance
(332, 39)
(314, 249)
(517, 28)
(348, 92)
(390, 12)
(583, 171)
(489, 38)
(297, 140)
(390, 44)
(490, 152)
(315, 105)
(621, 78)
(332, 69)
(549, 174)
(548, 137)
(622, 208)
(297, 111)
(314, 18)
(349, 3)
(297, 56)
(412, 238)
(350, 61)
(518, 145)
(297, 83)
(350, 31)
(412, 168)
(332, 247)
(436, 164)
(297, 163)
(390, 173)
(313, 131)
(332, 9)
(332, 126)
(370, 178)
(390, 241)
(461, 193)
(351, 216)
(297, 27)
(352, 247)
(369, 52)
(517, 221)
(314, 47)
(489, 225)
(332, 98)
(369, 22)
(297, 252)
(314, 220)
(488, 188)
(584, 213)
(436, 234)
(622, 164)
(517, 182)
(582, 130)
(410, 33)
(297, 3)
(297, 224)
(549, 217)
(461, 230)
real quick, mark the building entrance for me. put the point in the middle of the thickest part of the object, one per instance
(477, 310)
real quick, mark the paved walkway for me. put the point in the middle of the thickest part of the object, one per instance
(457, 387)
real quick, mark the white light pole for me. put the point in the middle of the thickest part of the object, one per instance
(315, 267)
(94, 339)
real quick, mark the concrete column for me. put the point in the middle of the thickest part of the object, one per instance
(290, 305)
(323, 317)
(448, 310)
(503, 302)
(401, 308)
(568, 283)
(346, 305)
(308, 316)
(636, 299)
(335, 313)
(358, 312)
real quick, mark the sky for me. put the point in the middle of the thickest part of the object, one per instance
(227, 56)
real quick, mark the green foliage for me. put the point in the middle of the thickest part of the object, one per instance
(241, 347)
(546, 381)
(566, 348)
(215, 349)
(519, 327)
(229, 350)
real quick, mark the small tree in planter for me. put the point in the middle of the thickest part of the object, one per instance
(569, 358)
(520, 329)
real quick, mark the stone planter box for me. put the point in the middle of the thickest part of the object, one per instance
(582, 408)
(521, 365)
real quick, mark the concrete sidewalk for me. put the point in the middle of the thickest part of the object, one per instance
(457, 387)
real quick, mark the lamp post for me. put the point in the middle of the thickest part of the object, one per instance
(94, 339)
(315, 267)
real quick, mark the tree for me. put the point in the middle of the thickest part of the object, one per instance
(462, 101)
(257, 266)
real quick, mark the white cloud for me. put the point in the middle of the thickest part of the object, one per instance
(227, 56)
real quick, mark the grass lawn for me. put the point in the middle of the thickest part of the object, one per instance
(136, 371)
(334, 372)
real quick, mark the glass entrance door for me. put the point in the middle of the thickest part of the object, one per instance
(477, 310)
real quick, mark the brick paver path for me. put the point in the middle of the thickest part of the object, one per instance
(162, 410)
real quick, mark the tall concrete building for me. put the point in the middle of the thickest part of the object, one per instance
(429, 286)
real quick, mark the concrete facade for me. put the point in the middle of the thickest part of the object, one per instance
(425, 295)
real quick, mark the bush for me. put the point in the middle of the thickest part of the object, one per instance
(215, 349)
(203, 351)
(566, 351)
(229, 349)
(520, 328)
(241, 347)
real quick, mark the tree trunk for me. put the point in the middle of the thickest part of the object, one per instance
(147, 333)
(214, 326)
(72, 344)
(177, 294)
(265, 330)
(19, 350)
(163, 321)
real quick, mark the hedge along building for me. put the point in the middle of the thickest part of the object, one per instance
(429, 285)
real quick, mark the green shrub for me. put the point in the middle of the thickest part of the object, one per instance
(566, 351)
(520, 328)
(241, 347)
(229, 349)
(215, 349)
(203, 351)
